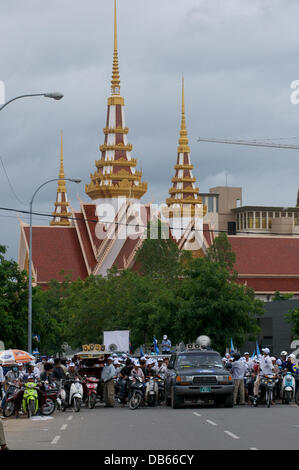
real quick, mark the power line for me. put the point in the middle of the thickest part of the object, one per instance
(9, 182)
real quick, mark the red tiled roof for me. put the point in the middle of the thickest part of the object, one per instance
(266, 255)
(268, 285)
(55, 249)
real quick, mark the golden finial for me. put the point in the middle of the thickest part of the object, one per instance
(61, 171)
(115, 82)
(183, 140)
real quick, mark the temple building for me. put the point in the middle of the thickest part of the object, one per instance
(108, 230)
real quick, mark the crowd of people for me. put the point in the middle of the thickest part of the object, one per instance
(119, 369)
(256, 367)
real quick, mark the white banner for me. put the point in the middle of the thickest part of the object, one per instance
(119, 338)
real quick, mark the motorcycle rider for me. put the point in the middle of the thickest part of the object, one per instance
(284, 360)
(160, 368)
(266, 368)
(10, 377)
(124, 378)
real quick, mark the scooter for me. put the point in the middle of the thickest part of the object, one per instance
(72, 397)
(30, 399)
(137, 393)
(92, 387)
(288, 388)
(151, 392)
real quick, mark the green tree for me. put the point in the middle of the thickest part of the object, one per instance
(278, 296)
(159, 255)
(210, 303)
(13, 303)
(221, 253)
(292, 317)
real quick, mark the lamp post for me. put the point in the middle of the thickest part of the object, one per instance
(73, 180)
(55, 95)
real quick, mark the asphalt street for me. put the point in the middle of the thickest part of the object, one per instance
(161, 428)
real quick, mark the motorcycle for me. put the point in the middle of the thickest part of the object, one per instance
(136, 393)
(30, 399)
(266, 390)
(9, 406)
(72, 396)
(288, 388)
(161, 388)
(92, 387)
(50, 392)
(151, 391)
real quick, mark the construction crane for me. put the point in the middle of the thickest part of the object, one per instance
(253, 143)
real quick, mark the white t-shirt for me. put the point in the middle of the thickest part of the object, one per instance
(266, 366)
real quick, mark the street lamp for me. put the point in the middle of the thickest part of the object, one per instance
(55, 95)
(73, 180)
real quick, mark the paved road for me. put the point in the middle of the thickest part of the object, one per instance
(196, 428)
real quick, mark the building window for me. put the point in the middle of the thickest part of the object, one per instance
(210, 204)
(217, 204)
(250, 219)
(264, 220)
(257, 220)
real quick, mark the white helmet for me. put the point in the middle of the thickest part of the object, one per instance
(283, 353)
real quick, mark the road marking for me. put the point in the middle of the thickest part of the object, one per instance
(70, 418)
(231, 435)
(196, 414)
(55, 440)
(253, 448)
(63, 427)
(211, 422)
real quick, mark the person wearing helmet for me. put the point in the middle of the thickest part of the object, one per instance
(284, 360)
(166, 345)
(239, 369)
(266, 368)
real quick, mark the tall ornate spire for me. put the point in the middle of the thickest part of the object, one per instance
(115, 82)
(183, 140)
(116, 174)
(61, 212)
(184, 200)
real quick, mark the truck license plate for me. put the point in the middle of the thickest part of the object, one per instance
(205, 389)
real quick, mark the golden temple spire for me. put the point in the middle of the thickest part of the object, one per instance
(115, 82)
(61, 171)
(61, 213)
(183, 140)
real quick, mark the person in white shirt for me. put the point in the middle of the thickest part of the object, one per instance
(266, 368)
(160, 368)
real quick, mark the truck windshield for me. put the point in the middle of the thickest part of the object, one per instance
(199, 360)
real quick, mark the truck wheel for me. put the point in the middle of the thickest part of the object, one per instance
(228, 401)
(175, 400)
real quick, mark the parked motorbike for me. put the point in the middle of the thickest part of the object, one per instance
(91, 384)
(70, 394)
(288, 388)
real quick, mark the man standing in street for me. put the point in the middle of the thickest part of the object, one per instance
(108, 374)
(239, 369)
(166, 345)
(266, 368)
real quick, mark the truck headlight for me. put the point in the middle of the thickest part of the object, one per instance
(224, 379)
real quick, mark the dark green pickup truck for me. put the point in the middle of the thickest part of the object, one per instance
(198, 375)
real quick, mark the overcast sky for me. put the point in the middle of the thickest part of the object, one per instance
(238, 58)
